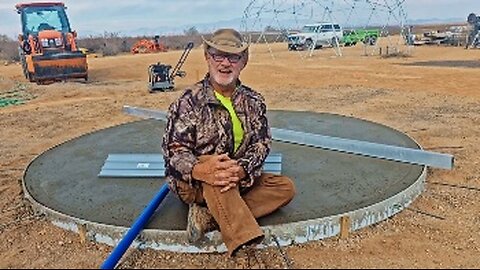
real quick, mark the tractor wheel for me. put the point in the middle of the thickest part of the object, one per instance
(309, 44)
(371, 41)
(24, 66)
(30, 77)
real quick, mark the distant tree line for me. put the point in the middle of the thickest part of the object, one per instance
(111, 43)
(8, 49)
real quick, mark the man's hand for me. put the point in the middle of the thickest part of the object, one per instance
(237, 172)
(218, 170)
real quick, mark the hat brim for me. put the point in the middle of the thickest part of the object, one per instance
(225, 48)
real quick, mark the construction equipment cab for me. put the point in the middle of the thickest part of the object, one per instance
(47, 45)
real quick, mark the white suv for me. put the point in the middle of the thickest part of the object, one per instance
(315, 36)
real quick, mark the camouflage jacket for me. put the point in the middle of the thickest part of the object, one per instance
(198, 124)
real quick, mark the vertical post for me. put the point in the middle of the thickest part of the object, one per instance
(344, 227)
(82, 231)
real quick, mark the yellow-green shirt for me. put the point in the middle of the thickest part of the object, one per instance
(237, 125)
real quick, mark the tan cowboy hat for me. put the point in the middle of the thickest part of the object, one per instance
(226, 40)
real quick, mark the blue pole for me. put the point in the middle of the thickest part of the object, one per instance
(132, 233)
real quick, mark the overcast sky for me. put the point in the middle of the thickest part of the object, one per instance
(122, 16)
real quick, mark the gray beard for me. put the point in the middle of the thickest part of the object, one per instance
(221, 81)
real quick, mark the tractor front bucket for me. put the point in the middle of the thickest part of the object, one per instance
(59, 66)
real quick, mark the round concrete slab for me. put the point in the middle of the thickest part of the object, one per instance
(62, 182)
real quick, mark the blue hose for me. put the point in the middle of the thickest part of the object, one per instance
(132, 233)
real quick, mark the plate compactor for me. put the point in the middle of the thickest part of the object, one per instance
(159, 76)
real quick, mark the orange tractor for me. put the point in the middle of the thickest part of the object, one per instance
(148, 46)
(47, 46)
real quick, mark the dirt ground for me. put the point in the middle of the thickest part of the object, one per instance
(433, 96)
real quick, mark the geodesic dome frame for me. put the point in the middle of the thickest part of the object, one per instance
(285, 17)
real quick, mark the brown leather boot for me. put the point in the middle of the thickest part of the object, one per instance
(199, 222)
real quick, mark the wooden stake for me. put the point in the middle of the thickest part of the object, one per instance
(344, 227)
(82, 231)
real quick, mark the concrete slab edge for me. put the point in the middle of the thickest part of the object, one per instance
(285, 234)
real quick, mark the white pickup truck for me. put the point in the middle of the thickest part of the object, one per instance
(315, 36)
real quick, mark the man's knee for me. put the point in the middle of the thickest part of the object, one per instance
(289, 188)
(282, 184)
(187, 193)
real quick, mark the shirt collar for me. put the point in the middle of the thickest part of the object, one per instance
(210, 97)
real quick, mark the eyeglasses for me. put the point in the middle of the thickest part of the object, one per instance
(232, 58)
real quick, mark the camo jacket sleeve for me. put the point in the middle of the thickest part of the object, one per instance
(179, 141)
